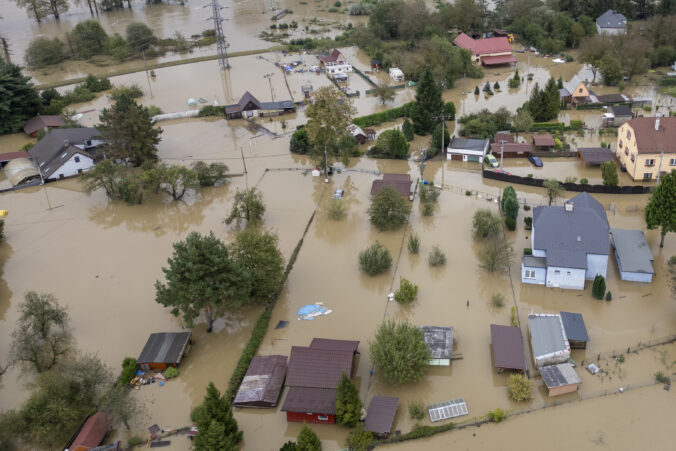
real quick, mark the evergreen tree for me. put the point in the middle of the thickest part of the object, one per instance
(552, 100)
(661, 208)
(407, 129)
(559, 83)
(599, 287)
(544, 105)
(609, 173)
(435, 143)
(534, 104)
(308, 440)
(428, 104)
(510, 204)
(515, 81)
(128, 132)
(348, 404)
(218, 428)
(19, 101)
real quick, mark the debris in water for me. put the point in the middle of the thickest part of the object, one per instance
(281, 324)
(310, 311)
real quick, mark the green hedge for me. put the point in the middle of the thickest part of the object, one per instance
(418, 432)
(598, 106)
(211, 110)
(549, 126)
(383, 116)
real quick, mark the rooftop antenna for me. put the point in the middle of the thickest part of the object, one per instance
(221, 43)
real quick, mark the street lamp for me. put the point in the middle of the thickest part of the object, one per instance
(269, 77)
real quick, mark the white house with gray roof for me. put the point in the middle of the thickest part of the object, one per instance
(65, 152)
(570, 244)
(467, 149)
(611, 22)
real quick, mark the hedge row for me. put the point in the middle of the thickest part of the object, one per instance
(419, 432)
(384, 116)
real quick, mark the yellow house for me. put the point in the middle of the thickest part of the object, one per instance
(646, 146)
(579, 93)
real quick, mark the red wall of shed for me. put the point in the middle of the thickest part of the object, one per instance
(310, 418)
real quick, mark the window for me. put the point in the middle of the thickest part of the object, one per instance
(568, 273)
(322, 417)
(650, 162)
(620, 146)
(672, 162)
(626, 151)
(79, 171)
(580, 91)
(647, 176)
(77, 158)
(632, 158)
(529, 274)
(628, 134)
(557, 272)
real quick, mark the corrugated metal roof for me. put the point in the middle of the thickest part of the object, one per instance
(573, 324)
(507, 347)
(439, 340)
(310, 400)
(165, 347)
(633, 251)
(318, 368)
(263, 382)
(559, 375)
(381, 412)
(547, 334)
(469, 144)
(335, 345)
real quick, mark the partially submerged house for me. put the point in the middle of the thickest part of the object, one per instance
(467, 149)
(569, 244)
(396, 74)
(646, 146)
(312, 378)
(617, 115)
(248, 104)
(548, 339)
(91, 433)
(262, 383)
(400, 182)
(611, 22)
(560, 379)
(543, 142)
(361, 135)
(576, 331)
(65, 152)
(579, 93)
(508, 351)
(488, 51)
(511, 150)
(632, 252)
(163, 350)
(46, 123)
(380, 415)
(595, 156)
(439, 340)
(335, 63)
(19, 168)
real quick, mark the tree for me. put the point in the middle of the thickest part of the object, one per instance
(428, 104)
(218, 428)
(140, 36)
(202, 276)
(43, 334)
(388, 210)
(300, 142)
(173, 180)
(289, 446)
(118, 47)
(384, 92)
(19, 101)
(495, 255)
(348, 404)
(258, 251)
(599, 286)
(436, 143)
(359, 439)
(552, 99)
(592, 51)
(485, 223)
(87, 39)
(510, 204)
(515, 81)
(661, 208)
(553, 188)
(400, 352)
(120, 403)
(209, 175)
(106, 175)
(407, 292)
(375, 259)
(328, 118)
(407, 129)
(519, 387)
(611, 70)
(609, 173)
(128, 132)
(39, 9)
(42, 52)
(308, 440)
(248, 206)
(632, 50)
(522, 121)
(391, 143)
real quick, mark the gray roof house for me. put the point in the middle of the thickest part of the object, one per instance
(617, 115)
(570, 244)
(65, 152)
(611, 22)
(548, 339)
(560, 379)
(576, 331)
(634, 259)
(440, 342)
(467, 149)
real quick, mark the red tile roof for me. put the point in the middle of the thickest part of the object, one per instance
(483, 46)
(314, 400)
(333, 56)
(503, 137)
(13, 156)
(317, 368)
(649, 140)
(40, 122)
(93, 431)
(543, 140)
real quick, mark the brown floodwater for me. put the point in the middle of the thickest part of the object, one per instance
(101, 258)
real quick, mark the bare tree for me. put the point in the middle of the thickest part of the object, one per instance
(122, 404)
(495, 255)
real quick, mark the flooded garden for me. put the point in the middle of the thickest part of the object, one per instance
(101, 257)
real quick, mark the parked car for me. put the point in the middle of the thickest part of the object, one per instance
(500, 171)
(491, 161)
(537, 162)
(338, 194)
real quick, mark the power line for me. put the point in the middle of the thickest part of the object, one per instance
(221, 43)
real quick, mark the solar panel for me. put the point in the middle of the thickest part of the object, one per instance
(449, 409)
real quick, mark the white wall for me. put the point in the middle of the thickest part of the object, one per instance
(70, 167)
(569, 278)
(540, 275)
(610, 31)
(596, 264)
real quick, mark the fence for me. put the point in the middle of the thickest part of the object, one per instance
(365, 77)
(602, 189)
(598, 106)
(401, 86)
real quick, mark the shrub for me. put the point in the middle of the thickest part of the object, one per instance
(209, 175)
(407, 292)
(348, 404)
(308, 440)
(661, 378)
(672, 260)
(383, 116)
(427, 209)
(449, 111)
(526, 208)
(2, 229)
(485, 223)
(153, 110)
(375, 260)
(510, 223)
(497, 415)
(437, 257)
(118, 47)
(400, 352)
(134, 441)
(429, 193)
(139, 36)
(211, 110)
(497, 300)
(609, 296)
(495, 255)
(336, 210)
(609, 173)
(289, 445)
(527, 251)
(584, 181)
(476, 91)
(87, 39)
(468, 193)
(514, 316)
(416, 410)
(519, 387)
(599, 287)
(510, 204)
(528, 220)
(300, 142)
(496, 86)
(128, 371)
(337, 4)
(95, 84)
(413, 243)
(170, 372)
(570, 179)
(388, 210)
(42, 52)
(133, 91)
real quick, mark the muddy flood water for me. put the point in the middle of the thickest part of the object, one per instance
(101, 259)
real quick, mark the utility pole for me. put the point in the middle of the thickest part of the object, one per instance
(145, 67)
(463, 83)
(269, 77)
(221, 43)
(326, 166)
(5, 50)
(659, 169)
(502, 150)
(423, 157)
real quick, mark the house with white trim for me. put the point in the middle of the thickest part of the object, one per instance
(65, 152)
(335, 63)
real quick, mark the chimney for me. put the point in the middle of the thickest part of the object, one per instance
(568, 206)
(657, 123)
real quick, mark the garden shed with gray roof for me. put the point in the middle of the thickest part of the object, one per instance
(440, 342)
(560, 379)
(632, 252)
(163, 350)
(576, 331)
(548, 339)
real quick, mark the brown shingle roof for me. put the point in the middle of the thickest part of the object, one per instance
(649, 140)
(335, 345)
(511, 148)
(595, 155)
(93, 431)
(543, 140)
(381, 414)
(310, 400)
(318, 368)
(400, 182)
(503, 137)
(333, 56)
(263, 382)
(40, 122)
(507, 347)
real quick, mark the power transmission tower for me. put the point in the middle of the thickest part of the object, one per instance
(221, 43)
(5, 49)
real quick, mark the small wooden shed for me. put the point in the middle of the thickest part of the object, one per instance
(380, 415)
(263, 382)
(576, 332)
(560, 379)
(163, 350)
